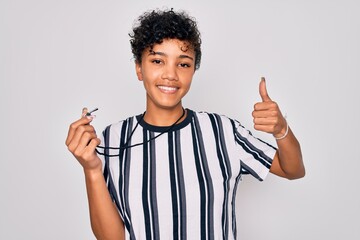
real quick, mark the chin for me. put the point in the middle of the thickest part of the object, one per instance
(169, 106)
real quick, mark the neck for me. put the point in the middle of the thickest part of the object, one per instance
(164, 117)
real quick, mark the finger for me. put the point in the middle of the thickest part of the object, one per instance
(264, 113)
(266, 121)
(73, 127)
(85, 140)
(90, 148)
(263, 91)
(260, 106)
(80, 131)
(78, 134)
(94, 143)
(80, 150)
(84, 112)
(264, 128)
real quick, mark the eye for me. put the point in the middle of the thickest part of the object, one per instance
(156, 61)
(184, 65)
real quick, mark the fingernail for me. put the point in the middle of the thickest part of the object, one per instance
(263, 79)
(84, 111)
(90, 117)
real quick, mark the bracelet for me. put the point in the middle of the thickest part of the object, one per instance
(286, 132)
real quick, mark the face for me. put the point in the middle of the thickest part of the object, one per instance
(166, 72)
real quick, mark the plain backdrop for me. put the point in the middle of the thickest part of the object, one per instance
(59, 56)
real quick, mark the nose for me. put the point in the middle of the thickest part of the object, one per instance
(170, 73)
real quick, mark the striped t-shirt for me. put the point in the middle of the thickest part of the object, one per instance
(181, 185)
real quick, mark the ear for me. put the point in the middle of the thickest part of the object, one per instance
(138, 71)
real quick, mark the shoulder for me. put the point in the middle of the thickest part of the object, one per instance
(218, 122)
(117, 126)
(223, 122)
(215, 117)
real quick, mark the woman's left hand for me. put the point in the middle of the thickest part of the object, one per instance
(267, 115)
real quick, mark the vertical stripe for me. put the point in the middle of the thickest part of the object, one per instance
(225, 169)
(177, 186)
(174, 187)
(233, 203)
(105, 134)
(149, 188)
(146, 207)
(210, 129)
(152, 189)
(107, 172)
(182, 194)
(124, 162)
(124, 128)
(205, 183)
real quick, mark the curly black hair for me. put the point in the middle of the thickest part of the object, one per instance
(155, 26)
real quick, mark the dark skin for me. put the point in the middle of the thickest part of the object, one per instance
(81, 142)
(268, 118)
(167, 72)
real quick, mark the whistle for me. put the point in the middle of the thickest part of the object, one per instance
(89, 113)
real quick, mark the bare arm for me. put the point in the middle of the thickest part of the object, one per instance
(81, 142)
(288, 161)
(105, 219)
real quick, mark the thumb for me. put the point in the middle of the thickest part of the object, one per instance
(263, 92)
(84, 112)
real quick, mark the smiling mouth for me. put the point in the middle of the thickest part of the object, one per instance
(167, 89)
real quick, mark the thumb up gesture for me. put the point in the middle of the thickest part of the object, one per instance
(267, 115)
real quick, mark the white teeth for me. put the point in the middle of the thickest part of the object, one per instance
(165, 88)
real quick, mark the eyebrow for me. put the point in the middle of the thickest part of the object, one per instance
(165, 55)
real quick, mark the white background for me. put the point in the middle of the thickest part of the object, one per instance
(58, 56)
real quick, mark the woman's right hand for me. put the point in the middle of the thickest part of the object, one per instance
(82, 141)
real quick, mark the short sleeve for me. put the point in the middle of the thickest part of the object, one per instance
(108, 152)
(100, 151)
(103, 153)
(255, 155)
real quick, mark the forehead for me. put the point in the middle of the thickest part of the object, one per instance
(172, 46)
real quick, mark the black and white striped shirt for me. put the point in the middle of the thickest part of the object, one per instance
(182, 185)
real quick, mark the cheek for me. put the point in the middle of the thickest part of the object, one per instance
(151, 75)
(188, 78)
(149, 79)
